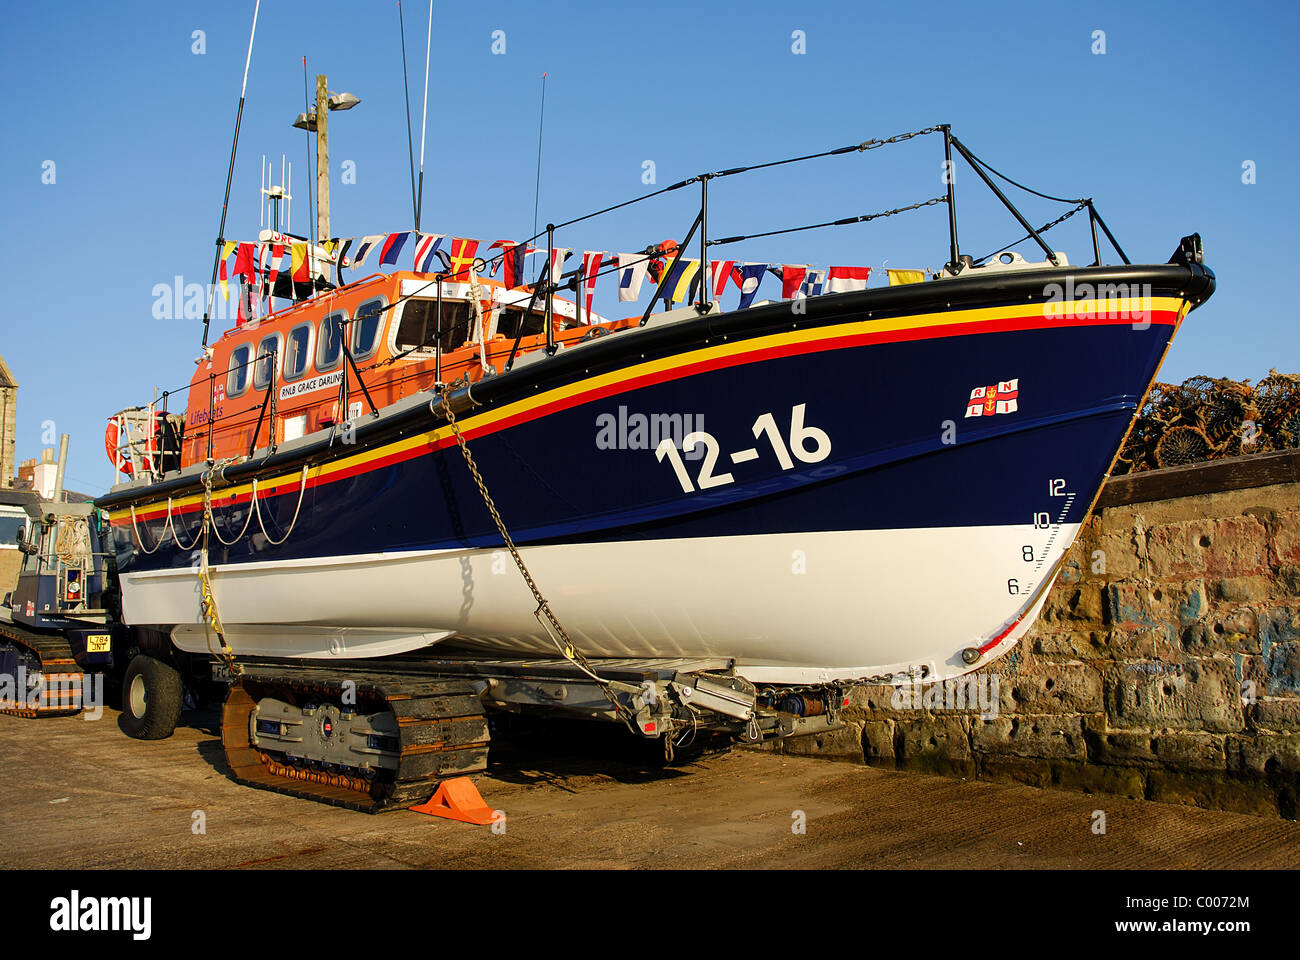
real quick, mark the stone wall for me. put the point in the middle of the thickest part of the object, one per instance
(1165, 664)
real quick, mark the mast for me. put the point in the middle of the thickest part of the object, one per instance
(322, 161)
(230, 173)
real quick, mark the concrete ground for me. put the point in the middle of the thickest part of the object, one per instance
(79, 794)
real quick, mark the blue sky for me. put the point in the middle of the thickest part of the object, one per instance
(138, 126)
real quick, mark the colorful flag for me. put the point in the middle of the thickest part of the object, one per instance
(226, 250)
(426, 249)
(393, 248)
(631, 271)
(680, 279)
(340, 263)
(719, 271)
(558, 256)
(748, 276)
(897, 277)
(996, 398)
(363, 251)
(273, 268)
(462, 256)
(264, 270)
(512, 258)
(813, 282)
(791, 278)
(848, 279)
(298, 251)
(246, 261)
(591, 261)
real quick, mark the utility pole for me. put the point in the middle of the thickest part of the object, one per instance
(317, 121)
(322, 159)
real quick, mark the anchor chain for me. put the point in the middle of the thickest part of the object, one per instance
(913, 675)
(208, 599)
(559, 636)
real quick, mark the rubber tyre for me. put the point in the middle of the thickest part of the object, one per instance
(152, 694)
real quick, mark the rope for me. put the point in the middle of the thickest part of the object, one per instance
(208, 598)
(257, 508)
(72, 541)
(1003, 176)
(476, 300)
(252, 505)
(171, 520)
(1041, 230)
(545, 616)
(140, 541)
(833, 223)
(852, 148)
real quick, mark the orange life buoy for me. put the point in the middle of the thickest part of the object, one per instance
(113, 441)
(111, 433)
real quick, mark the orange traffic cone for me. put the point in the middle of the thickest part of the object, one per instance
(457, 799)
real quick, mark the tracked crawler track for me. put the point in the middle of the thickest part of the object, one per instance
(25, 656)
(282, 730)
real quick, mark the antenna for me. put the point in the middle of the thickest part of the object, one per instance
(537, 194)
(230, 173)
(428, 42)
(406, 89)
(306, 107)
(273, 196)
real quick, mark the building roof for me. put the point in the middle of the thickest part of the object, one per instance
(19, 497)
(14, 497)
(6, 375)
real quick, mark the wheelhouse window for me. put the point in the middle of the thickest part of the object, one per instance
(457, 324)
(510, 318)
(237, 380)
(365, 328)
(296, 353)
(329, 344)
(418, 325)
(269, 353)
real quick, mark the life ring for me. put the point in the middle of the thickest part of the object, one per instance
(112, 445)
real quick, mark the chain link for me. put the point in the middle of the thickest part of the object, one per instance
(897, 138)
(913, 675)
(1041, 230)
(566, 647)
(570, 651)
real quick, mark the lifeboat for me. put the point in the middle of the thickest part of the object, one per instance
(787, 489)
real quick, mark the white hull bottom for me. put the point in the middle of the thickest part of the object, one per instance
(788, 608)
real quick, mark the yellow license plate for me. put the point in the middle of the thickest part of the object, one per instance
(99, 642)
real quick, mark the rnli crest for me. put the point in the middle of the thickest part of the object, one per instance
(994, 399)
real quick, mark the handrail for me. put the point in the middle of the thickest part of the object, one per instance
(548, 287)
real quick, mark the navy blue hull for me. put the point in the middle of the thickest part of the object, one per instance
(903, 455)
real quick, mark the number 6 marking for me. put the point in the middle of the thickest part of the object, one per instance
(799, 434)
